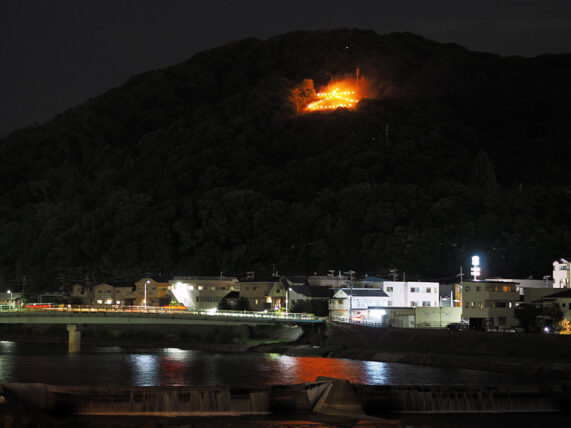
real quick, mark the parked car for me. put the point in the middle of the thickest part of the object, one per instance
(457, 326)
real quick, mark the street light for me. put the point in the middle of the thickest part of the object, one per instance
(10, 293)
(145, 299)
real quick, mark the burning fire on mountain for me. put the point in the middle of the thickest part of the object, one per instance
(345, 93)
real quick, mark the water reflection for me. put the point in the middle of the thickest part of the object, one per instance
(50, 363)
(144, 369)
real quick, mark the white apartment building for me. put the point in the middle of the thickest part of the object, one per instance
(409, 294)
(202, 292)
(561, 274)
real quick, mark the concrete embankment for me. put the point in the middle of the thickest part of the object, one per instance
(519, 354)
(529, 354)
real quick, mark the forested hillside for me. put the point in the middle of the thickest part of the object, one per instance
(208, 166)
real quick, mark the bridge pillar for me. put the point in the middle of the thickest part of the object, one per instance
(74, 344)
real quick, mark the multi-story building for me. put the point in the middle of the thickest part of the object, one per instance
(258, 291)
(149, 292)
(561, 274)
(103, 294)
(359, 304)
(202, 292)
(408, 294)
(488, 304)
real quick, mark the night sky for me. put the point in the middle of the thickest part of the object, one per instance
(56, 54)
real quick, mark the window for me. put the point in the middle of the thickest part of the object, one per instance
(255, 288)
(510, 304)
(425, 303)
(428, 290)
(412, 303)
(414, 289)
(472, 304)
(200, 287)
(389, 289)
(212, 287)
(389, 303)
(480, 305)
(500, 304)
(466, 288)
(478, 288)
(466, 305)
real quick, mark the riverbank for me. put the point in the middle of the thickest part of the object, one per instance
(517, 354)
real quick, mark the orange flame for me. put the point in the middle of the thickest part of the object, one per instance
(336, 95)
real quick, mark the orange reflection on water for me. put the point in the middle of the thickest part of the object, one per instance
(307, 369)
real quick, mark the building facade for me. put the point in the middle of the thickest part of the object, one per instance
(488, 304)
(202, 292)
(561, 274)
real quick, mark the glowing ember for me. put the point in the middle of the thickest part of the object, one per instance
(332, 99)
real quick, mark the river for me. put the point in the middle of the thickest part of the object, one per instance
(114, 365)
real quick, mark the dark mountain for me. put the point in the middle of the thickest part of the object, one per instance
(207, 166)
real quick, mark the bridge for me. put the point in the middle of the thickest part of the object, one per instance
(76, 316)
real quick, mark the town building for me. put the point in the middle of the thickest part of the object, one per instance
(359, 304)
(488, 304)
(436, 317)
(149, 292)
(202, 292)
(258, 291)
(561, 274)
(405, 293)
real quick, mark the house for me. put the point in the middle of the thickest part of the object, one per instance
(359, 304)
(561, 298)
(105, 294)
(82, 294)
(488, 304)
(149, 292)
(202, 292)
(561, 274)
(258, 291)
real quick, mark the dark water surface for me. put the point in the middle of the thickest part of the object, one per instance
(113, 365)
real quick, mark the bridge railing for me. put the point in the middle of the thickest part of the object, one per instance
(171, 310)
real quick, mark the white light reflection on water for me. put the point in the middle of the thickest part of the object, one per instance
(145, 369)
(376, 373)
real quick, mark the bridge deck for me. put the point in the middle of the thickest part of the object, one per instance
(71, 316)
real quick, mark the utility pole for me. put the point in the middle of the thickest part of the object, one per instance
(460, 275)
(351, 274)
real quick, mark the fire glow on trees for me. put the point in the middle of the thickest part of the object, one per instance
(333, 98)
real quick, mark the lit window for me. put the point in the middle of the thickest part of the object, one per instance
(466, 288)
(200, 287)
(480, 305)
